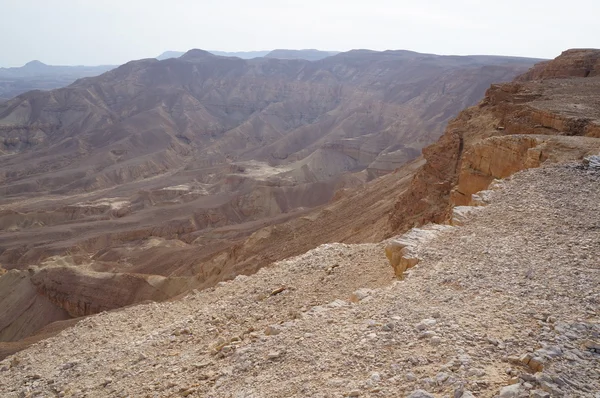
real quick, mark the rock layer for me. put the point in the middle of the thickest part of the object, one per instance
(571, 63)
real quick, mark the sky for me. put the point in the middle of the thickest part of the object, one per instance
(95, 32)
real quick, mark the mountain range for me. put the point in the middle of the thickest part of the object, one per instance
(309, 54)
(36, 75)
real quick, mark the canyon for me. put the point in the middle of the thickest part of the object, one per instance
(153, 175)
(158, 210)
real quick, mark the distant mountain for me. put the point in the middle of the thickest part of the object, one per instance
(309, 55)
(239, 54)
(170, 54)
(36, 75)
(38, 69)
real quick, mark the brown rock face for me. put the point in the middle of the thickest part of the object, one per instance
(24, 311)
(427, 198)
(82, 292)
(516, 126)
(36, 297)
(571, 63)
(500, 157)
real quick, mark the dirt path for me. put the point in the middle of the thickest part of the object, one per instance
(520, 277)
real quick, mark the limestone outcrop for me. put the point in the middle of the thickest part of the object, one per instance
(499, 157)
(402, 251)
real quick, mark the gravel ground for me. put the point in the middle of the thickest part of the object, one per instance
(505, 305)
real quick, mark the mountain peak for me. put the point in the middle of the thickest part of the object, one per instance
(170, 54)
(196, 54)
(35, 64)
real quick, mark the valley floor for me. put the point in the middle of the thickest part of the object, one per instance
(520, 277)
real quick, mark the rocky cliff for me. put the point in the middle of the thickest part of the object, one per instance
(54, 292)
(516, 126)
(571, 63)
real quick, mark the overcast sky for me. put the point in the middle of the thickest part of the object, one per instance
(92, 32)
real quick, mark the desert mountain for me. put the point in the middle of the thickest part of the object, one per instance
(36, 75)
(180, 145)
(309, 54)
(158, 170)
(238, 54)
(500, 299)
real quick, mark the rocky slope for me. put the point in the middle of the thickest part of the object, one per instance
(332, 322)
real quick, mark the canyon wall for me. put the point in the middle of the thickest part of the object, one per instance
(549, 114)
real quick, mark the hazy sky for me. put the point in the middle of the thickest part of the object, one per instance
(92, 32)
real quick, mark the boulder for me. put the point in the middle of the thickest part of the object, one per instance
(420, 394)
(511, 391)
(401, 251)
